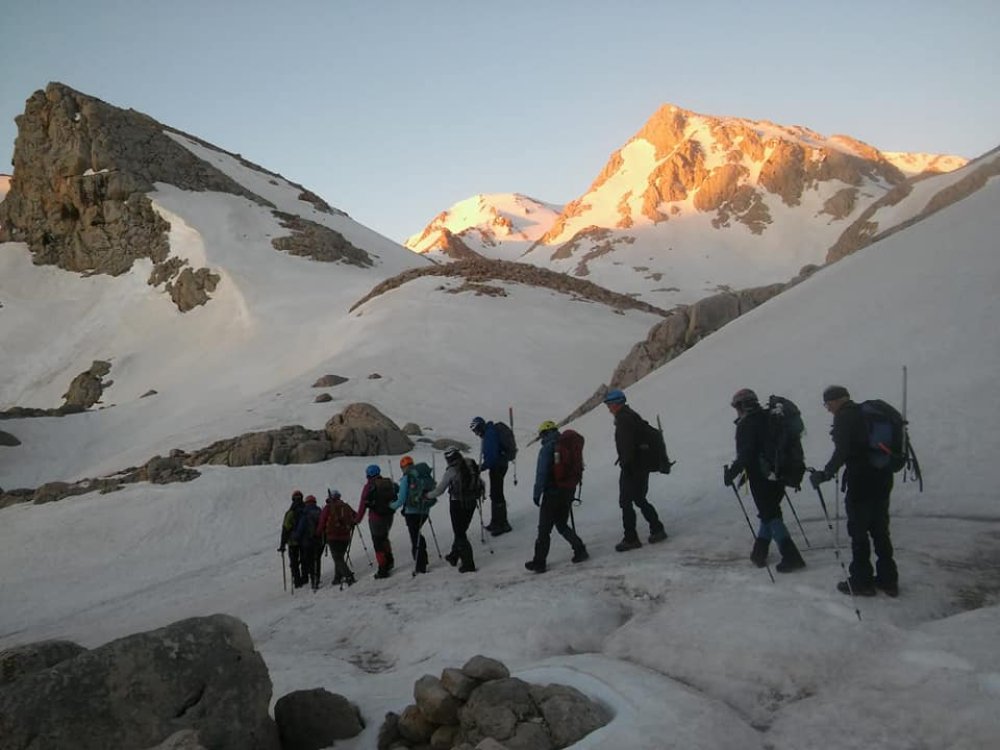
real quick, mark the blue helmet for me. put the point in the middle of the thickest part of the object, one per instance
(373, 470)
(477, 425)
(615, 396)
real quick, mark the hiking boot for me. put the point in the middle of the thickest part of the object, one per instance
(452, 559)
(580, 555)
(470, 568)
(657, 536)
(791, 559)
(350, 580)
(500, 529)
(535, 567)
(759, 554)
(889, 589)
(627, 544)
(859, 589)
(337, 580)
(382, 573)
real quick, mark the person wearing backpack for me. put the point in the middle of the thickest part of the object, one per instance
(751, 439)
(416, 481)
(633, 479)
(461, 480)
(307, 536)
(866, 499)
(377, 497)
(337, 524)
(288, 523)
(498, 450)
(554, 490)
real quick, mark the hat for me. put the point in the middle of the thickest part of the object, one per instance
(372, 470)
(332, 494)
(452, 454)
(297, 495)
(310, 498)
(547, 425)
(405, 462)
(834, 392)
(743, 396)
(477, 424)
(615, 396)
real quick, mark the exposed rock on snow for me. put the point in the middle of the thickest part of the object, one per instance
(328, 381)
(313, 719)
(20, 661)
(201, 674)
(318, 242)
(87, 387)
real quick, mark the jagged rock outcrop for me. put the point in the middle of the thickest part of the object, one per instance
(865, 230)
(362, 430)
(479, 271)
(86, 388)
(20, 661)
(202, 675)
(314, 719)
(318, 242)
(681, 329)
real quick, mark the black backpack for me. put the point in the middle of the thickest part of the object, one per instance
(471, 483)
(887, 438)
(382, 496)
(505, 437)
(783, 460)
(652, 451)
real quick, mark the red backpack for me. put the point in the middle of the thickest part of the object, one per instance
(567, 462)
(339, 521)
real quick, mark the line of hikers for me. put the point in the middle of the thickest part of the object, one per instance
(768, 458)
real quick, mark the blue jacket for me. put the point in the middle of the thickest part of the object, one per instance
(491, 448)
(543, 469)
(415, 506)
(307, 527)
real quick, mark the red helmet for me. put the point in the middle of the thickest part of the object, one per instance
(405, 462)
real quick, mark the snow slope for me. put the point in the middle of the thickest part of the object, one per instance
(689, 644)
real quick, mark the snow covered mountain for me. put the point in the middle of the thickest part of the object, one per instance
(685, 641)
(499, 225)
(693, 204)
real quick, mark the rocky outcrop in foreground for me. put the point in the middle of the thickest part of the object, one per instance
(198, 682)
(482, 706)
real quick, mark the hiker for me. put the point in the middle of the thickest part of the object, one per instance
(464, 486)
(307, 536)
(337, 524)
(751, 438)
(288, 523)
(496, 447)
(415, 482)
(377, 497)
(866, 500)
(553, 495)
(633, 479)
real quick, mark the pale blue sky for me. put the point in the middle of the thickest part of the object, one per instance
(392, 111)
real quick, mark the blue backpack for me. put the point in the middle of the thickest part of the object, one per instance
(887, 443)
(421, 480)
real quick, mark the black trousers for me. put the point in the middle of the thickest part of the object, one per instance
(418, 545)
(338, 551)
(295, 565)
(461, 517)
(312, 555)
(498, 503)
(632, 488)
(867, 504)
(554, 512)
(380, 541)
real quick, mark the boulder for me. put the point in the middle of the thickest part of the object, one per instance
(201, 674)
(328, 381)
(313, 719)
(495, 709)
(362, 430)
(87, 388)
(323, 398)
(483, 668)
(443, 444)
(434, 700)
(414, 726)
(8, 440)
(459, 684)
(21, 661)
(388, 733)
(444, 737)
(412, 428)
(568, 713)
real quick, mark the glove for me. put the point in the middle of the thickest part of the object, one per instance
(728, 475)
(537, 500)
(281, 548)
(818, 477)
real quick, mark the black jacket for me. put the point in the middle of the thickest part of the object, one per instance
(628, 433)
(850, 445)
(751, 432)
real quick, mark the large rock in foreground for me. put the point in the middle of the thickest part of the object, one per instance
(201, 674)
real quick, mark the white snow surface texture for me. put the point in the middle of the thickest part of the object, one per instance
(687, 642)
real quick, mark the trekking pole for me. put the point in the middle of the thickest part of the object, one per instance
(364, 546)
(836, 548)
(747, 516)
(510, 414)
(434, 537)
(792, 507)
(483, 539)
(284, 575)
